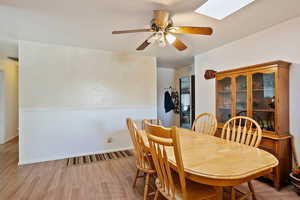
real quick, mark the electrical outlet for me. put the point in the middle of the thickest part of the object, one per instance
(109, 140)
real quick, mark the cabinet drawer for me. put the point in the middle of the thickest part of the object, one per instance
(267, 145)
(267, 142)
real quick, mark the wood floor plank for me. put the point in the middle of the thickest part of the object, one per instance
(106, 180)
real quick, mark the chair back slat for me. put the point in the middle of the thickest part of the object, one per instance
(253, 141)
(244, 133)
(228, 133)
(233, 131)
(239, 131)
(243, 130)
(205, 123)
(160, 140)
(249, 135)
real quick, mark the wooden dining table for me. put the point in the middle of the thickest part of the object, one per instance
(214, 161)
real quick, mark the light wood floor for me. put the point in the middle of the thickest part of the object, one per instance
(105, 180)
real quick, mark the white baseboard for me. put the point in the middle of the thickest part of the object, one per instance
(38, 160)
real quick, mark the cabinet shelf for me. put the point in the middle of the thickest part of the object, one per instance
(223, 108)
(263, 110)
(224, 92)
(262, 89)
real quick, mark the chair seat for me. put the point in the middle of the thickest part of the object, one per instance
(195, 191)
(148, 166)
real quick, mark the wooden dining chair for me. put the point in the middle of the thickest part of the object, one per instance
(144, 162)
(243, 130)
(170, 184)
(151, 121)
(205, 123)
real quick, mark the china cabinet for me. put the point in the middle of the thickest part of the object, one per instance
(262, 93)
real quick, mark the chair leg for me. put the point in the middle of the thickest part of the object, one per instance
(219, 191)
(251, 188)
(146, 186)
(136, 177)
(156, 195)
(232, 193)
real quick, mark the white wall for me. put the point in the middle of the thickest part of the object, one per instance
(73, 99)
(165, 79)
(9, 99)
(2, 103)
(281, 42)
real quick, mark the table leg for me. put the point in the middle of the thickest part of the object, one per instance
(219, 193)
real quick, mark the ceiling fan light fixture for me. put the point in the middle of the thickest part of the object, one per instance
(162, 40)
(162, 43)
(170, 38)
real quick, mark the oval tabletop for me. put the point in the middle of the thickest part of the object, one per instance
(208, 158)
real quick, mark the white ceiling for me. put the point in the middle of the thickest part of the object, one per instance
(89, 24)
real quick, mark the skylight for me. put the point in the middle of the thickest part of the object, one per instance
(219, 9)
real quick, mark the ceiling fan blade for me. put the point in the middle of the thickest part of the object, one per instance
(191, 30)
(145, 43)
(179, 45)
(143, 46)
(161, 18)
(133, 31)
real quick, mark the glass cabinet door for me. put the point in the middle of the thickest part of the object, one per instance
(263, 100)
(224, 99)
(241, 95)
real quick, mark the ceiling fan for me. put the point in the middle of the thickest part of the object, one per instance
(163, 30)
